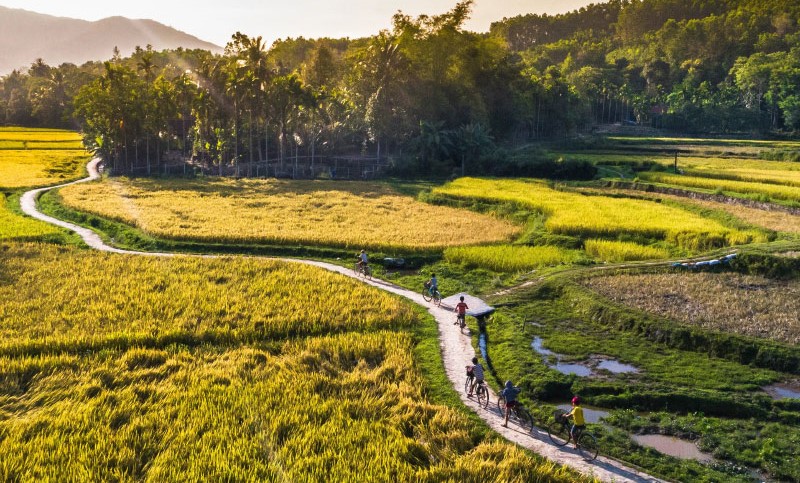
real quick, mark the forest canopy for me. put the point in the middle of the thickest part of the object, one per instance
(429, 93)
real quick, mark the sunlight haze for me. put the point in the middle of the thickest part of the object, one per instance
(217, 21)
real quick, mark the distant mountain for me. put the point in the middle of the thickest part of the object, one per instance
(26, 36)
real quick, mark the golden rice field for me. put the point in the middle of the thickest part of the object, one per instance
(674, 142)
(37, 134)
(21, 145)
(788, 178)
(315, 378)
(17, 227)
(731, 165)
(779, 221)
(511, 258)
(771, 170)
(137, 300)
(774, 191)
(329, 213)
(338, 408)
(41, 167)
(725, 302)
(577, 214)
(618, 251)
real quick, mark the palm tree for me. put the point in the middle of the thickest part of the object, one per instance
(434, 143)
(472, 140)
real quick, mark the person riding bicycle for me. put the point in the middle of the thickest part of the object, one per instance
(509, 393)
(461, 311)
(433, 284)
(477, 373)
(362, 260)
(578, 422)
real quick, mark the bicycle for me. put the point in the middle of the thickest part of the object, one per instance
(363, 270)
(517, 413)
(461, 321)
(481, 391)
(560, 435)
(427, 295)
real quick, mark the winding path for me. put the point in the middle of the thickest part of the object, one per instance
(456, 350)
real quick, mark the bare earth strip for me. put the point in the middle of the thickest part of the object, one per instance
(456, 348)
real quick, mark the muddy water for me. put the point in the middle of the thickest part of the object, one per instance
(673, 446)
(537, 345)
(577, 369)
(589, 414)
(581, 369)
(783, 391)
(617, 367)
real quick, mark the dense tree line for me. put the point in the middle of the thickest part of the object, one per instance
(429, 95)
(692, 65)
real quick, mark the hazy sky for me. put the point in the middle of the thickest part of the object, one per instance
(217, 20)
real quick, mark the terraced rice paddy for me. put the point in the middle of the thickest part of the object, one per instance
(511, 258)
(40, 157)
(617, 251)
(773, 191)
(600, 216)
(342, 214)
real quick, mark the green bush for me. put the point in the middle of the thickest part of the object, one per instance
(780, 155)
(767, 265)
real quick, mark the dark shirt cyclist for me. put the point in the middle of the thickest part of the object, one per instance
(509, 393)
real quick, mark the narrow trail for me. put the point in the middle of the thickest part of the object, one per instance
(456, 349)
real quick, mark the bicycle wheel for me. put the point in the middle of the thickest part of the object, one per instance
(426, 296)
(501, 404)
(558, 432)
(368, 272)
(524, 419)
(483, 395)
(587, 446)
(437, 298)
(467, 383)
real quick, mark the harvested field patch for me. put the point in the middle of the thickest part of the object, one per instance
(726, 302)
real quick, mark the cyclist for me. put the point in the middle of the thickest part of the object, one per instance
(362, 260)
(509, 393)
(461, 311)
(433, 284)
(578, 422)
(477, 374)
